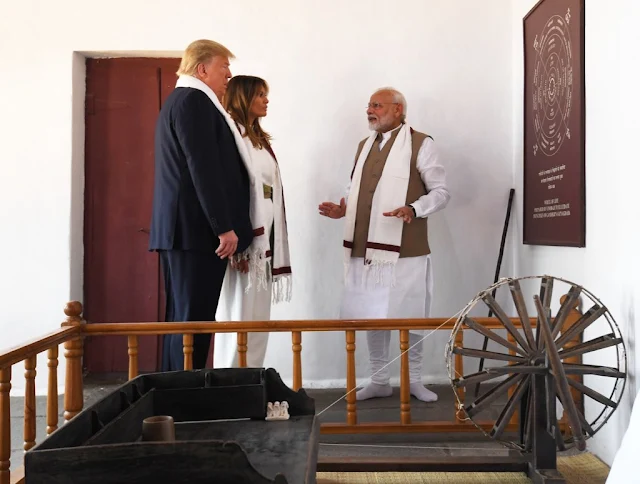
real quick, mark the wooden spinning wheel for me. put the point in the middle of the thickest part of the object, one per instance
(538, 371)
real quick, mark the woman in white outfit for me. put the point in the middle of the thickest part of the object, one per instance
(246, 101)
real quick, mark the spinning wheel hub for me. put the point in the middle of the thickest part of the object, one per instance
(538, 360)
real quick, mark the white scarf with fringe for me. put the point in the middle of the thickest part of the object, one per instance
(256, 253)
(280, 258)
(385, 233)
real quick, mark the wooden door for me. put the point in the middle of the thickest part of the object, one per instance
(122, 279)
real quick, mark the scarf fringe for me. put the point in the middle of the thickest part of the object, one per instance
(282, 288)
(259, 267)
(379, 272)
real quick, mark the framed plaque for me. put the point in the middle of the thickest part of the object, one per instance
(554, 126)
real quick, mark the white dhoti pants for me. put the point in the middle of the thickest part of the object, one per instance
(237, 305)
(409, 298)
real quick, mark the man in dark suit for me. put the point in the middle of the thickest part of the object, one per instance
(201, 214)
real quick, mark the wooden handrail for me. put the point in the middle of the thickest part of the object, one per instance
(74, 330)
(37, 346)
(274, 326)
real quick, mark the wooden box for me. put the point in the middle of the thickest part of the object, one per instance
(221, 435)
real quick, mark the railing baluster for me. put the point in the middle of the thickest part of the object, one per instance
(132, 350)
(296, 347)
(352, 416)
(187, 350)
(405, 394)
(30, 402)
(5, 425)
(73, 351)
(242, 339)
(52, 391)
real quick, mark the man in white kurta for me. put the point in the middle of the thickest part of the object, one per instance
(384, 277)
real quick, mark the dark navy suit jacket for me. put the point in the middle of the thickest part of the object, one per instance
(201, 186)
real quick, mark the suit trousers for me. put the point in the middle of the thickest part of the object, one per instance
(192, 282)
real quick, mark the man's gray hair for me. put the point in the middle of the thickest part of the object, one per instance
(398, 97)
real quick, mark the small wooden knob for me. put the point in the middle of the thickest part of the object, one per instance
(73, 309)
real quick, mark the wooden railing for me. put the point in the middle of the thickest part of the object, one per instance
(74, 329)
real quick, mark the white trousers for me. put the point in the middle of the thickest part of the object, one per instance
(237, 305)
(410, 297)
(378, 343)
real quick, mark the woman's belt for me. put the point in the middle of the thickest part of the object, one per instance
(268, 191)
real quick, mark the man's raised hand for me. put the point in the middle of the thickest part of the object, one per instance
(331, 210)
(405, 213)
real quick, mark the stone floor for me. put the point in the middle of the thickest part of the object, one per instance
(331, 406)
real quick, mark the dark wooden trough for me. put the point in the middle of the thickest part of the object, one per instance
(221, 435)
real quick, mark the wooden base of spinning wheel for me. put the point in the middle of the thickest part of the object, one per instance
(539, 464)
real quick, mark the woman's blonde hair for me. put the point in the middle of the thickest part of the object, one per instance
(200, 52)
(241, 91)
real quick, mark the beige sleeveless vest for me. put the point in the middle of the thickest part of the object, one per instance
(415, 240)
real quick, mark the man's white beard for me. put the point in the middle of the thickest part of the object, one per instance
(374, 125)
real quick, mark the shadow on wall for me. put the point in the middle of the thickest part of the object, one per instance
(628, 307)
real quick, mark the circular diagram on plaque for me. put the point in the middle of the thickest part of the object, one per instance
(552, 85)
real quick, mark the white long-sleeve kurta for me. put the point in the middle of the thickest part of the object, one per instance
(411, 295)
(237, 305)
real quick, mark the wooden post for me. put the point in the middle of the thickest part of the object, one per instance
(296, 347)
(5, 425)
(352, 416)
(405, 393)
(187, 351)
(459, 370)
(73, 352)
(52, 390)
(132, 349)
(243, 340)
(30, 402)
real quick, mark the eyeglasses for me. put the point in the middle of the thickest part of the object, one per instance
(377, 105)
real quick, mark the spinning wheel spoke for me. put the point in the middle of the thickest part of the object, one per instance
(561, 379)
(546, 291)
(566, 307)
(521, 307)
(597, 396)
(493, 394)
(584, 424)
(504, 319)
(593, 370)
(552, 416)
(583, 323)
(492, 336)
(528, 424)
(475, 378)
(495, 372)
(489, 355)
(510, 408)
(595, 344)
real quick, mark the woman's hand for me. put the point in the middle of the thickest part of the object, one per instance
(240, 265)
